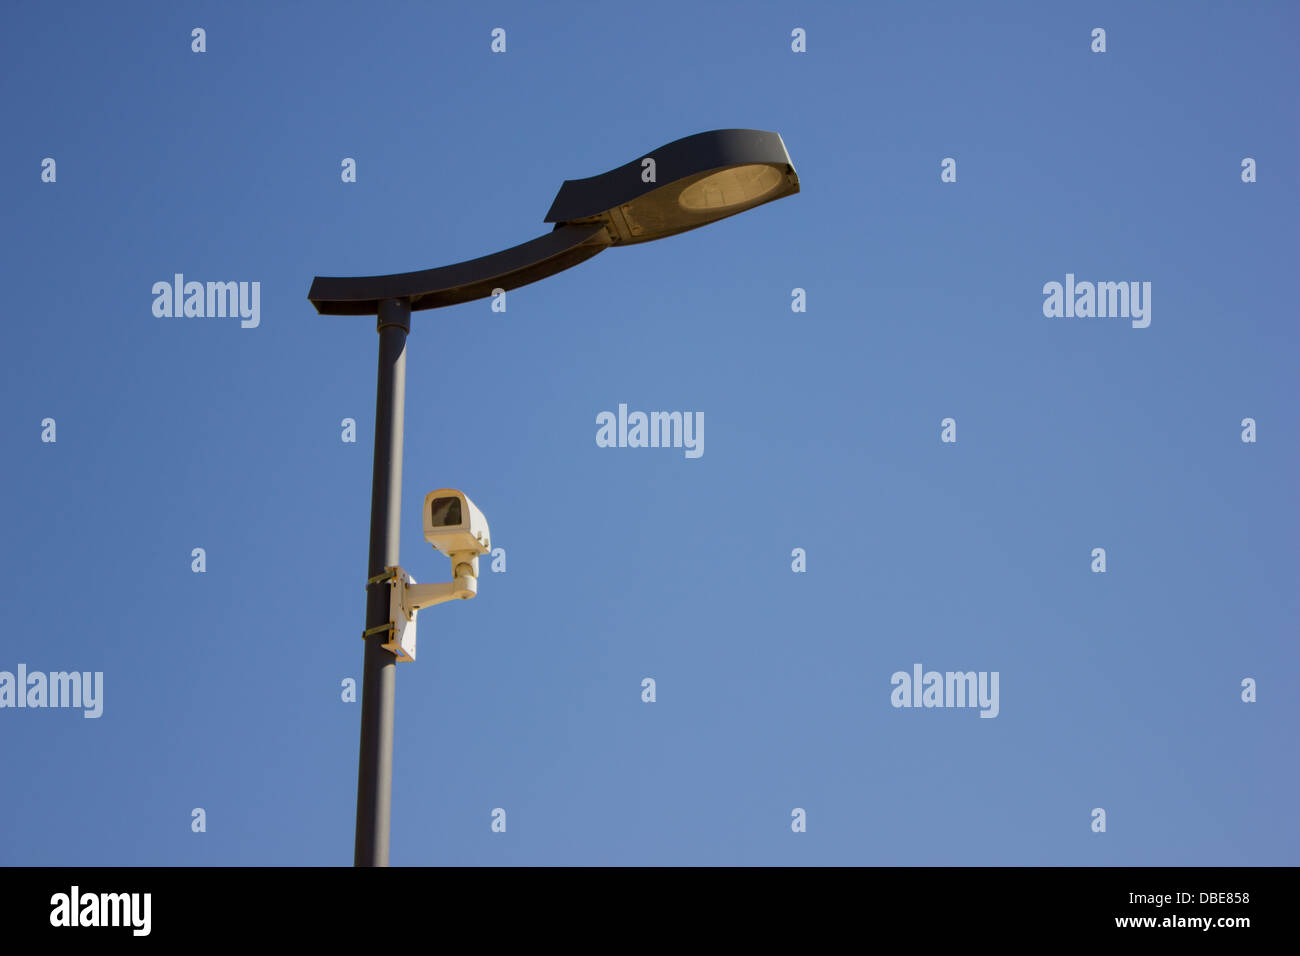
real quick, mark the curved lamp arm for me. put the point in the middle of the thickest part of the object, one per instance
(509, 269)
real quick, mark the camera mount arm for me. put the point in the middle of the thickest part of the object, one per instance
(406, 599)
(416, 597)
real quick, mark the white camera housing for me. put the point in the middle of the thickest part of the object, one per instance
(455, 526)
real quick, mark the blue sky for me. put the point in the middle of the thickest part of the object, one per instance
(222, 690)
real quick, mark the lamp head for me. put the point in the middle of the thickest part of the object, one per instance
(687, 184)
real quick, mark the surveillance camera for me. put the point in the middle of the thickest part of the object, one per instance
(454, 526)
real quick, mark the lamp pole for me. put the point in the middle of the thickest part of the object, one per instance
(685, 184)
(379, 682)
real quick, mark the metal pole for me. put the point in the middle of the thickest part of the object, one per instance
(379, 683)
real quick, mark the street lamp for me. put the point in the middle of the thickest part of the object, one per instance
(684, 185)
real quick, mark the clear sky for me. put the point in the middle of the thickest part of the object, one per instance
(222, 690)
